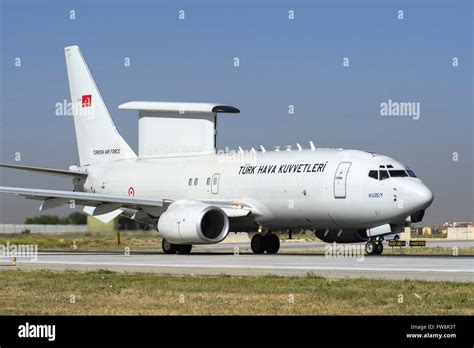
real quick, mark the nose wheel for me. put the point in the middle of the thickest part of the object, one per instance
(374, 247)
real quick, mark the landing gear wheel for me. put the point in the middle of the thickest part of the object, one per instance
(370, 248)
(379, 248)
(168, 248)
(257, 244)
(271, 243)
(397, 237)
(184, 248)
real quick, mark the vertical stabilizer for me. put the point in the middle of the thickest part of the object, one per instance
(98, 140)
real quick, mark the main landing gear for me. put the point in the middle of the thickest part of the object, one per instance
(268, 242)
(169, 248)
(374, 247)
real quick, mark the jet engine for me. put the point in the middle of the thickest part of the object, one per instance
(346, 236)
(187, 222)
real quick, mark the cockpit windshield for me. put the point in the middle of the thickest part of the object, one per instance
(397, 173)
(383, 174)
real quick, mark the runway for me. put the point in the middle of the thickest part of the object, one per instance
(426, 267)
(296, 246)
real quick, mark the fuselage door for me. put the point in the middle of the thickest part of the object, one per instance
(340, 179)
(215, 183)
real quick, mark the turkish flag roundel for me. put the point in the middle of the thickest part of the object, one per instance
(87, 100)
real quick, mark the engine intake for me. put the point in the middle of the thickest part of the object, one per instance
(193, 223)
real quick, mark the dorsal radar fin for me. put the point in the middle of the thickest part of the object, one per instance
(169, 128)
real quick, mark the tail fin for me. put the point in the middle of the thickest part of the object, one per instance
(98, 140)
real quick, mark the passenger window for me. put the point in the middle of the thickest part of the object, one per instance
(208, 181)
(398, 173)
(374, 174)
(195, 181)
(383, 175)
(190, 181)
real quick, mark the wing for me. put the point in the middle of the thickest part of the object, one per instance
(105, 206)
(54, 198)
(49, 171)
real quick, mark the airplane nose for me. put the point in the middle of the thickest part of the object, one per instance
(420, 195)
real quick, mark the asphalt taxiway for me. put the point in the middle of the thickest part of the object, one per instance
(235, 259)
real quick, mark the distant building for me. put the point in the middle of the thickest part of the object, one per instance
(461, 233)
(406, 234)
(426, 230)
(458, 224)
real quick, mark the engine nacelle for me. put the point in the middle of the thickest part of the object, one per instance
(188, 222)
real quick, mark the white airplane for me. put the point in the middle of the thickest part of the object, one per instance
(193, 195)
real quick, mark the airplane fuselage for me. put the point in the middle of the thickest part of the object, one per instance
(321, 189)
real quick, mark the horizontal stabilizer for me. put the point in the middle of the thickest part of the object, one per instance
(49, 171)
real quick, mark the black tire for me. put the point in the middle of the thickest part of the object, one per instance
(379, 249)
(168, 248)
(397, 237)
(184, 249)
(257, 244)
(370, 248)
(271, 243)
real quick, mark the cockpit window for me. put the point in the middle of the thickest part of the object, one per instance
(397, 173)
(374, 174)
(383, 175)
(410, 173)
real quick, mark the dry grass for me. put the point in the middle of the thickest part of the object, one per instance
(137, 240)
(428, 251)
(105, 292)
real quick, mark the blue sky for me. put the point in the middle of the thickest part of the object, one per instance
(282, 62)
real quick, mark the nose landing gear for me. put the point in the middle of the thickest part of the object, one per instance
(374, 247)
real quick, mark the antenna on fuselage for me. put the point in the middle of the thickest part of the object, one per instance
(312, 145)
(263, 149)
(288, 147)
(299, 147)
(241, 150)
